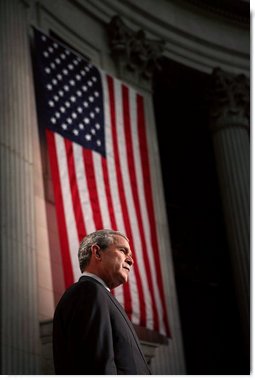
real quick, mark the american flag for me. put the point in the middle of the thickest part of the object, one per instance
(96, 137)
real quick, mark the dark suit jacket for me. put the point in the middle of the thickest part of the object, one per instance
(93, 335)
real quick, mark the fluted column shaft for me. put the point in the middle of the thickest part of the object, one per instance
(230, 128)
(19, 316)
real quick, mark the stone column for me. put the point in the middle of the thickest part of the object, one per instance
(230, 128)
(19, 336)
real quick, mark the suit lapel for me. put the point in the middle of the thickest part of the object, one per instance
(122, 311)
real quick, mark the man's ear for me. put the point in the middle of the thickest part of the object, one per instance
(96, 251)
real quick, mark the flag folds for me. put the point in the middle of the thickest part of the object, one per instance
(95, 128)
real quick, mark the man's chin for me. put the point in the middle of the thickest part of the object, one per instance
(123, 280)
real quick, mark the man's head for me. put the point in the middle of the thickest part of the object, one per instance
(107, 254)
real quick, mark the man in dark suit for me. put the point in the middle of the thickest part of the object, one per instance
(91, 331)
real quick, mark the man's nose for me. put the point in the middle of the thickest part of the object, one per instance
(130, 260)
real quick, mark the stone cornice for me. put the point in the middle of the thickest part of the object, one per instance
(194, 38)
(234, 12)
(197, 39)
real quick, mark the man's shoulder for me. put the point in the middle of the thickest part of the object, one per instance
(86, 287)
(89, 282)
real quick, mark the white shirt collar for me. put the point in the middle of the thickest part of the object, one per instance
(89, 274)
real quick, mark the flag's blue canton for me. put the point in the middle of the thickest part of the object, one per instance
(74, 97)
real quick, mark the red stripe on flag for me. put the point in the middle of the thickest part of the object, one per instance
(92, 187)
(80, 226)
(132, 173)
(67, 265)
(149, 200)
(124, 206)
(108, 194)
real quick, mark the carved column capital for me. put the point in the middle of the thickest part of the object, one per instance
(138, 53)
(230, 100)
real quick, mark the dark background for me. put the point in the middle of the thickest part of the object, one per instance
(209, 315)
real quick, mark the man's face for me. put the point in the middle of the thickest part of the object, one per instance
(116, 262)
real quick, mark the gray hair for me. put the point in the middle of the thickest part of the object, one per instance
(103, 238)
